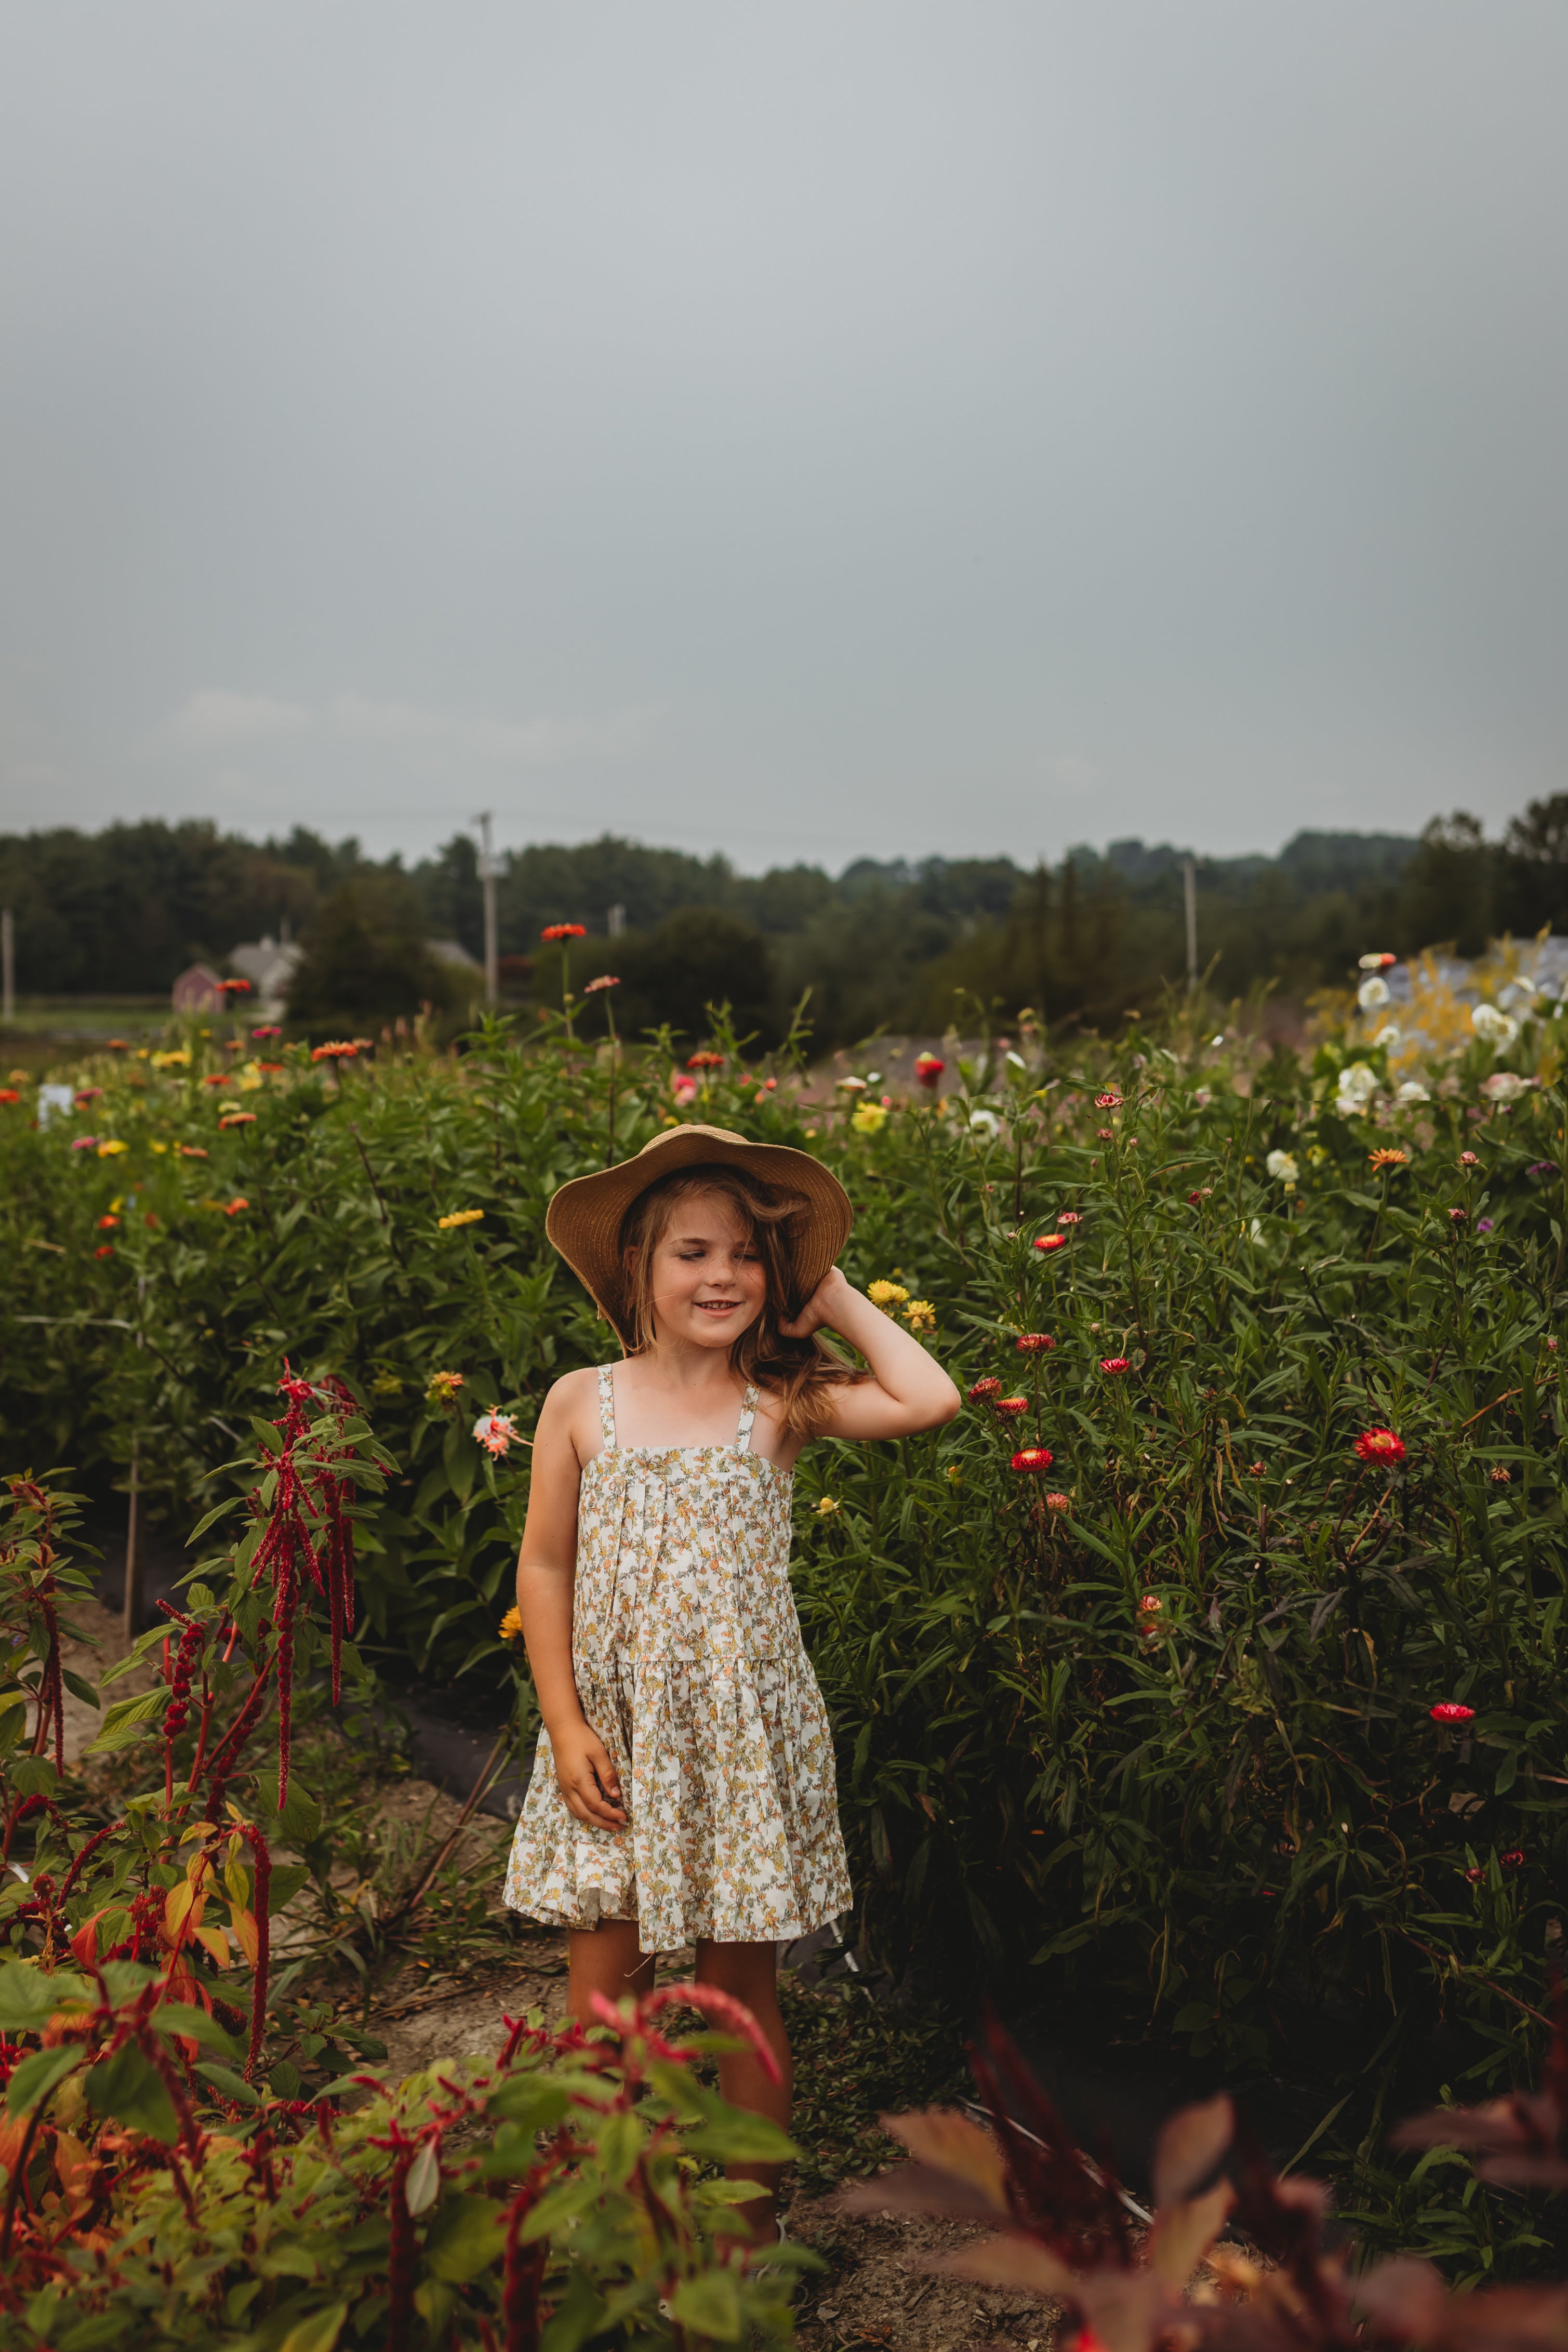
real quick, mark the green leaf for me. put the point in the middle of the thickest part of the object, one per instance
(194, 2025)
(287, 1879)
(79, 1688)
(220, 1511)
(619, 2145)
(464, 2238)
(740, 2139)
(89, 2334)
(35, 2077)
(320, 2333)
(129, 2087)
(34, 1775)
(233, 2087)
(13, 1719)
(423, 2185)
(126, 1721)
(711, 2303)
(534, 2100)
(300, 1822)
(577, 2316)
(28, 1997)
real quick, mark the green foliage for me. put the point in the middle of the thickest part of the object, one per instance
(1167, 1740)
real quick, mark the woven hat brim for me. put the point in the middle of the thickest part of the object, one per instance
(583, 1220)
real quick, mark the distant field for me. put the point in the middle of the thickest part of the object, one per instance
(45, 1024)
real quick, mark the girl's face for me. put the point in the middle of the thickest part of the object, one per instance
(707, 1284)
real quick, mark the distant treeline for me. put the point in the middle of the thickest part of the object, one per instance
(882, 944)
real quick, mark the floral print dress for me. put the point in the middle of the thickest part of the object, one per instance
(689, 1665)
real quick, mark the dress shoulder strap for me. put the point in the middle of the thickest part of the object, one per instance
(606, 1406)
(748, 1414)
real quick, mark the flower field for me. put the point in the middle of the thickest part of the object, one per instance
(1203, 1679)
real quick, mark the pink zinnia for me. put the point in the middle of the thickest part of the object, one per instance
(1449, 1710)
(495, 1432)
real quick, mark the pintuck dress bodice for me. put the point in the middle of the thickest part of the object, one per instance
(689, 1665)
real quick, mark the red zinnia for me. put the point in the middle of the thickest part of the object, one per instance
(235, 987)
(1449, 1710)
(10, 1094)
(1115, 1365)
(1030, 1343)
(1033, 1459)
(1050, 1241)
(104, 1249)
(336, 1049)
(107, 1224)
(218, 1078)
(928, 1068)
(1380, 1445)
(1010, 1404)
(989, 1387)
(1108, 1102)
(564, 931)
(273, 1031)
(706, 1060)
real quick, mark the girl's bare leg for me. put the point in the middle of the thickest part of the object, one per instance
(749, 1972)
(604, 1960)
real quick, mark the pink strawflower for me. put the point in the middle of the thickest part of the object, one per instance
(1449, 1710)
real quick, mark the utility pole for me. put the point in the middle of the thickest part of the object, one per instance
(489, 867)
(7, 966)
(1190, 892)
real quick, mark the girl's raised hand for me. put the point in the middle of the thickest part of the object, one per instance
(827, 1302)
(589, 1781)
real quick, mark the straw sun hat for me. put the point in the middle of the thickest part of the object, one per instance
(585, 1217)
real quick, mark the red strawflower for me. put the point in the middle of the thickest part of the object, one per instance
(1070, 1217)
(1059, 1501)
(1105, 1134)
(1115, 1365)
(1501, 1477)
(989, 1387)
(1031, 1343)
(1033, 1459)
(1380, 1445)
(1513, 1859)
(928, 1068)
(1468, 1159)
(1050, 1241)
(1151, 1604)
(1010, 1404)
(1108, 1102)
(1475, 1875)
(1451, 1710)
(564, 931)
(1459, 1215)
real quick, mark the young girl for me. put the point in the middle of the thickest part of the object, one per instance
(683, 1791)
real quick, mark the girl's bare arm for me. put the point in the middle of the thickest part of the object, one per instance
(546, 1574)
(908, 1389)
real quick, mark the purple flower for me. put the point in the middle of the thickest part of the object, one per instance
(1542, 1167)
(1483, 1224)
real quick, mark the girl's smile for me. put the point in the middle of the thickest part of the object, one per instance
(708, 1284)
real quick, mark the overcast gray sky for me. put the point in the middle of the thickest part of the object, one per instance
(852, 425)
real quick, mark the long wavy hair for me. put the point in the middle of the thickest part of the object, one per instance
(799, 1373)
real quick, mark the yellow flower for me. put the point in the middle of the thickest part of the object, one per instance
(160, 1147)
(955, 1471)
(108, 1150)
(460, 1217)
(250, 1079)
(1385, 1157)
(828, 1507)
(511, 1627)
(920, 1317)
(868, 1118)
(178, 1057)
(886, 1295)
(442, 1386)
